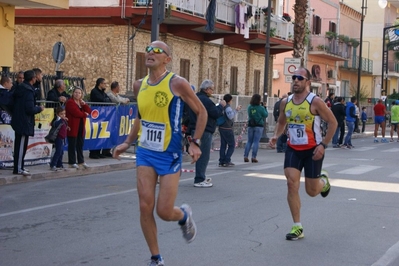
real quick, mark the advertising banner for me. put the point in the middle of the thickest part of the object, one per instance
(106, 127)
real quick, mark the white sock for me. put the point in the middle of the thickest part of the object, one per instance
(298, 224)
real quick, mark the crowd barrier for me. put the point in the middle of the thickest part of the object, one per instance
(106, 127)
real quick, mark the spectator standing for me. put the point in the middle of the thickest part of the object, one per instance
(256, 121)
(206, 89)
(37, 85)
(5, 100)
(303, 112)
(57, 94)
(338, 109)
(76, 112)
(23, 119)
(364, 119)
(330, 99)
(357, 112)
(226, 130)
(379, 120)
(281, 145)
(350, 113)
(394, 119)
(19, 79)
(160, 97)
(114, 94)
(59, 121)
(98, 95)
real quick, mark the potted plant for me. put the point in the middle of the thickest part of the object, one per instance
(287, 17)
(341, 38)
(355, 43)
(320, 47)
(331, 35)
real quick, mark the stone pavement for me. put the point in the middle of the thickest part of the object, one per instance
(128, 161)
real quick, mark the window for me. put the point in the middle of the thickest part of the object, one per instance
(185, 69)
(233, 80)
(316, 29)
(332, 26)
(141, 69)
(256, 81)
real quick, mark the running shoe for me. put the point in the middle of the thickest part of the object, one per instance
(326, 189)
(391, 140)
(375, 140)
(159, 262)
(384, 140)
(189, 228)
(296, 233)
(230, 164)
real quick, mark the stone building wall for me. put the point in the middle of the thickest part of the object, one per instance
(95, 51)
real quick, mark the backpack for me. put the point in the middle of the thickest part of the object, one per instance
(221, 120)
(53, 133)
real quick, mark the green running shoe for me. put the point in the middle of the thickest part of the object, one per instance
(296, 233)
(326, 189)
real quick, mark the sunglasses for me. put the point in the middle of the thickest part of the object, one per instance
(156, 50)
(298, 77)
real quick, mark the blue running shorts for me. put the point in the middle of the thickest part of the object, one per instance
(379, 119)
(164, 163)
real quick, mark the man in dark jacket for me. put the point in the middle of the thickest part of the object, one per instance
(206, 90)
(37, 86)
(23, 119)
(98, 95)
(281, 144)
(57, 94)
(338, 110)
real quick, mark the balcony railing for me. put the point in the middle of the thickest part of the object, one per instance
(366, 65)
(225, 14)
(330, 46)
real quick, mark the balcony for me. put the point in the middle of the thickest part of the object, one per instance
(186, 18)
(353, 65)
(330, 48)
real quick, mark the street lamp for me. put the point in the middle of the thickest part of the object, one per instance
(359, 67)
(266, 70)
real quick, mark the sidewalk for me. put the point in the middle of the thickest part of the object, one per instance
(96, 166)
(128, 161)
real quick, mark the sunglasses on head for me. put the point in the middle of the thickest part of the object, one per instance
(156, 50)
(298, 77)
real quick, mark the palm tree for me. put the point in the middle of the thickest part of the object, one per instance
(300, 8)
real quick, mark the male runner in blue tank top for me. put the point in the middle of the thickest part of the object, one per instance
(160, 97)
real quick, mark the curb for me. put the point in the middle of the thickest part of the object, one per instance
(124, 164)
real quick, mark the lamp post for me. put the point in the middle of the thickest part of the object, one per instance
(359, 67)
(266, 70)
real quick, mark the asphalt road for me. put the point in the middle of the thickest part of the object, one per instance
(242, 220)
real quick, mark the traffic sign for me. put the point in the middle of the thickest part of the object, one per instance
(290, 64)
(58, 54)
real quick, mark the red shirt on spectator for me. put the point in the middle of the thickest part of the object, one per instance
(379, 109)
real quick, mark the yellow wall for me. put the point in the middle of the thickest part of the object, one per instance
(7, 18)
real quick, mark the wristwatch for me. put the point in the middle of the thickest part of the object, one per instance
(324, 145)
(195, 141)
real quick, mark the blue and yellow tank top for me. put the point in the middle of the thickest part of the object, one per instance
(160, 112)
(304, 130)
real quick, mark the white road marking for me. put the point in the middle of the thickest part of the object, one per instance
(391, 255)
(89, 198)
(391, 150)
(357, 170)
